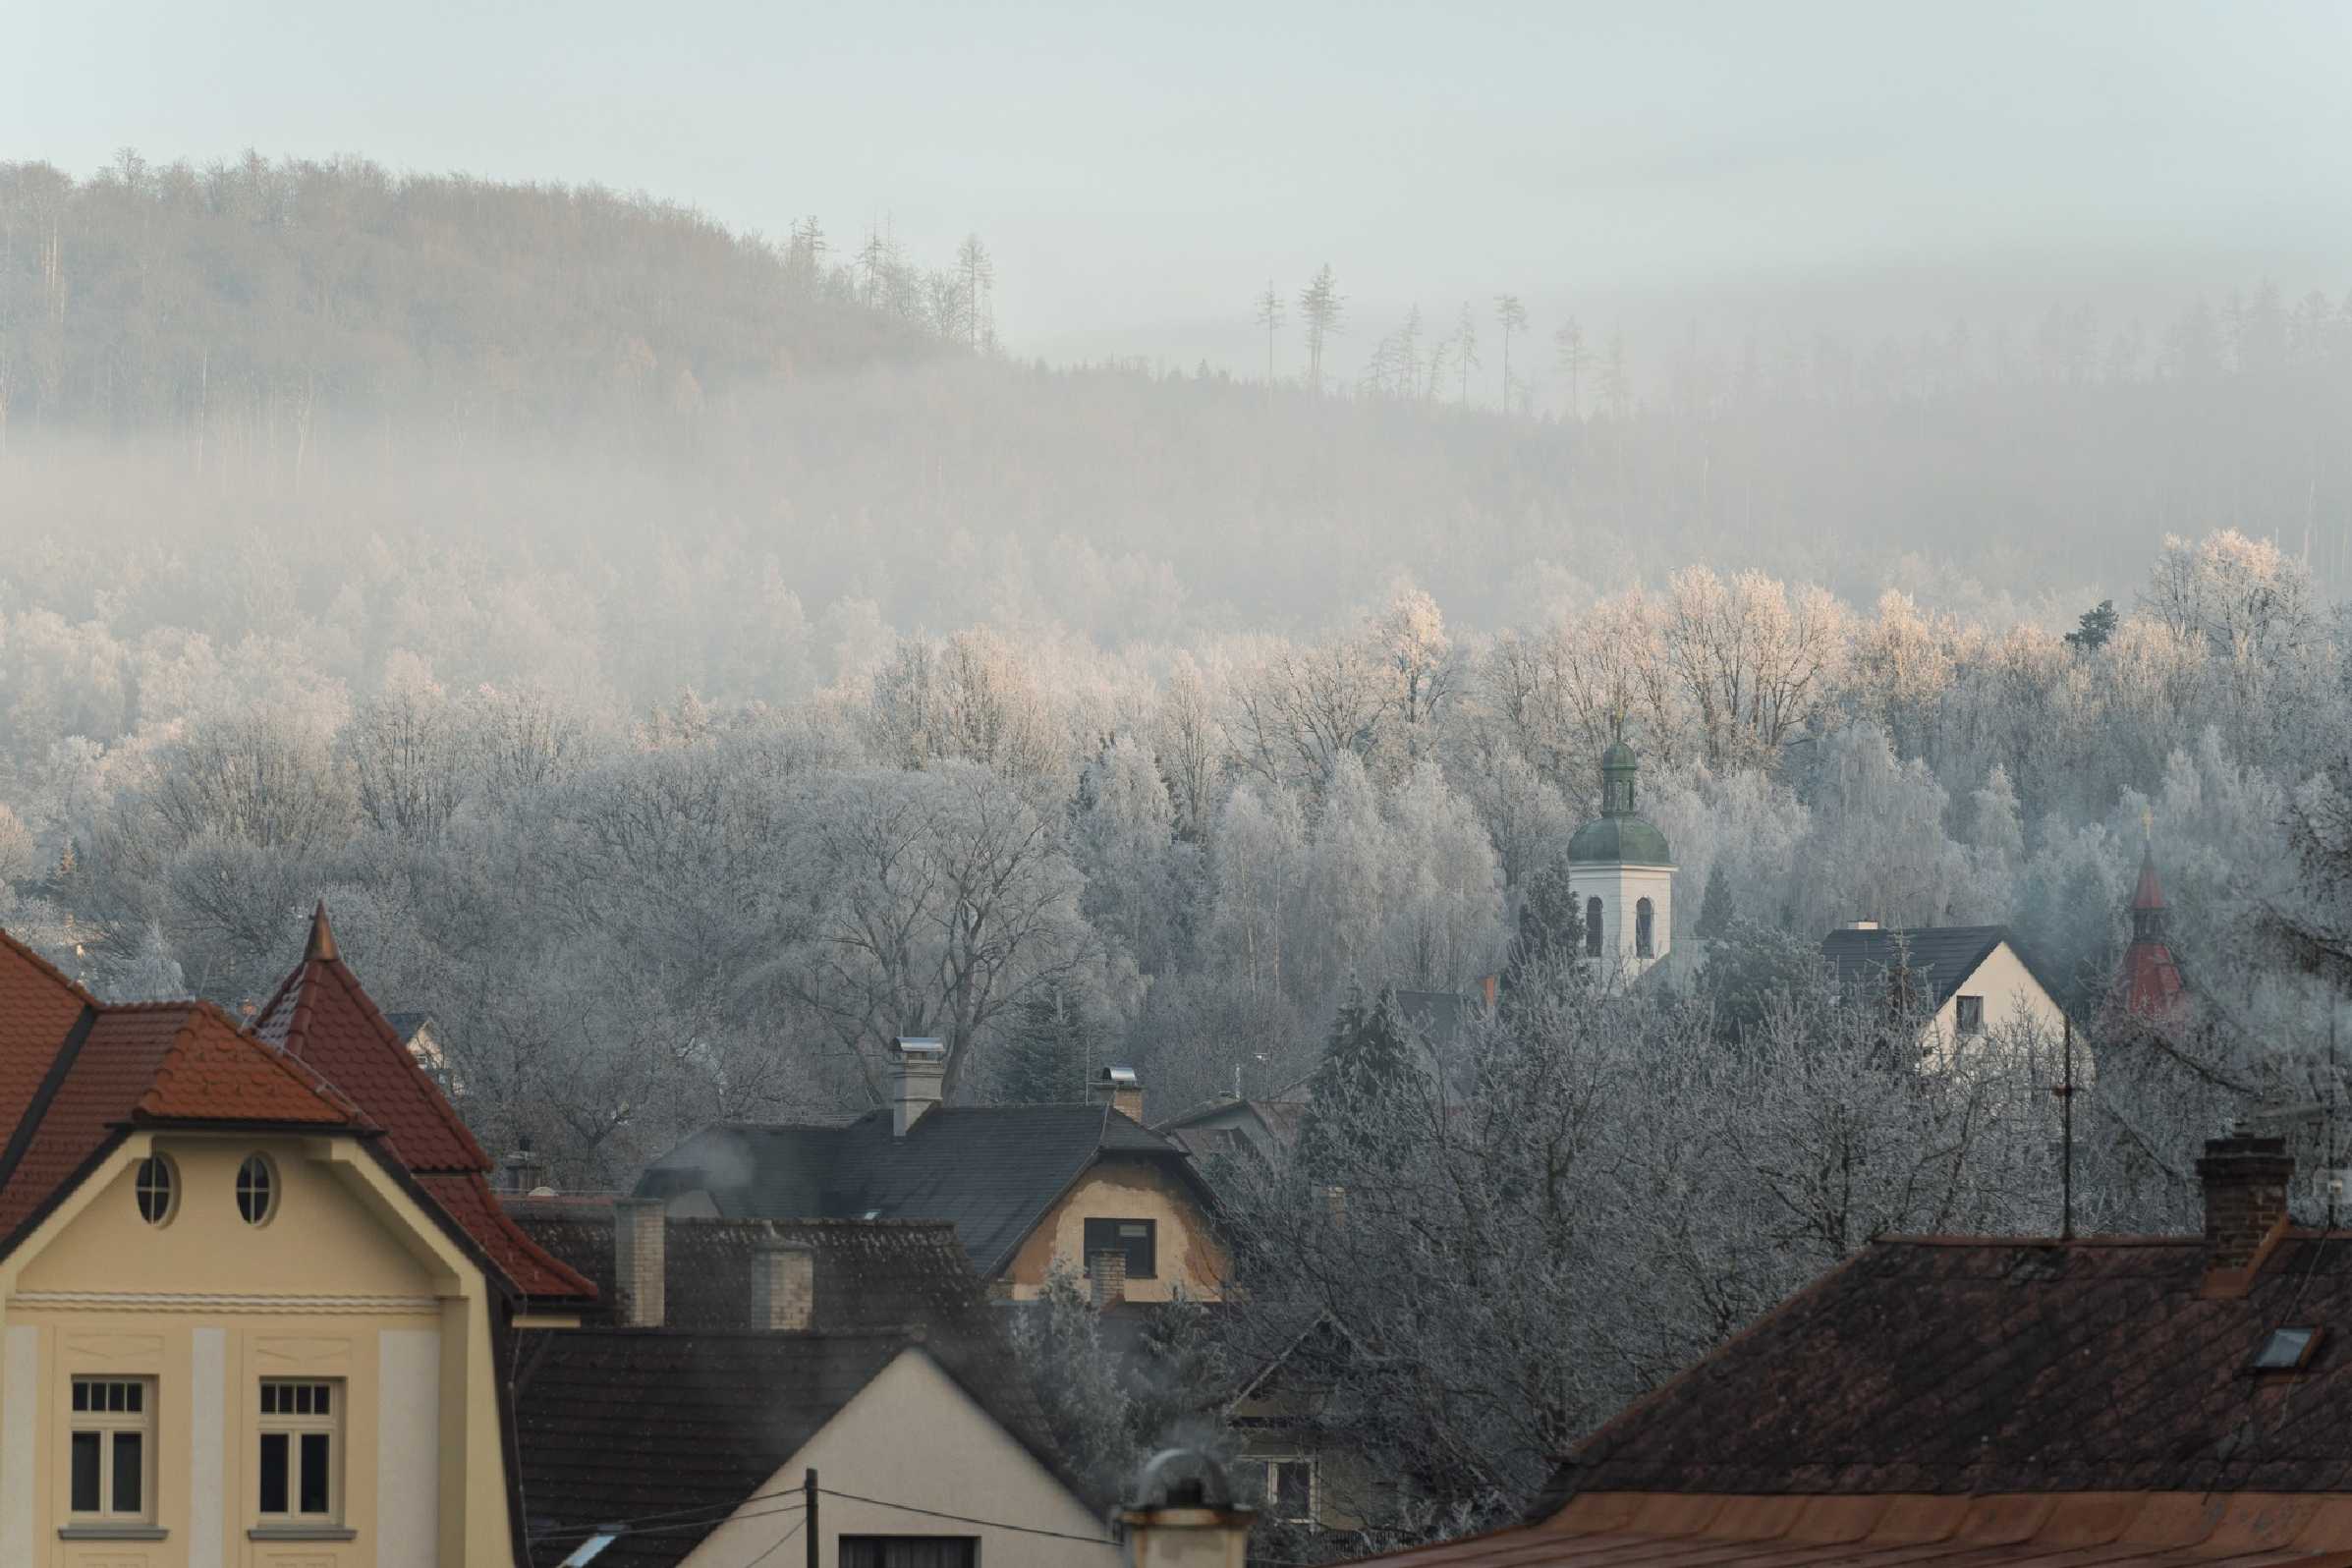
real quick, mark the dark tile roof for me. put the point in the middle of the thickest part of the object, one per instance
(406, 1024)
(993, 1171)
(1439, 1018)
(689, 1423)
(624, 1424)
(2003, 1366)
(1943, 957)
(871, 1273)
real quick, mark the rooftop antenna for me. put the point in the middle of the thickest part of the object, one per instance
(2064, 1089)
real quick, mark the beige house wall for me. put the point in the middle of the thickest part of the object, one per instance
(350, 1279)
(1188, 1252)
(2012, 998)
(914, 1436)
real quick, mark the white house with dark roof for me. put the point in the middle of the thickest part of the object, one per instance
(1967, 979)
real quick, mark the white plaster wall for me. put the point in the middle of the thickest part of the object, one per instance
(207, 1481)
(1619, 888)
(912, 1435)
(408, 1451)
(2012, 997)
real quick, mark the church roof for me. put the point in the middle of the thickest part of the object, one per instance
(1627, 840)
(2150, 894)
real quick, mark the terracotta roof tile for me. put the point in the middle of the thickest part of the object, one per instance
(164, 1062)
(326, 1057)
(39, 1005)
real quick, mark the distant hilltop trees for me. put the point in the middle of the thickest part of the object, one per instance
(199, 298)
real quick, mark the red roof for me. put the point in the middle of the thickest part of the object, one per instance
(2152, 981)
(165, 1062)
(73, 1070)
(323, 1017)
(38, 1006)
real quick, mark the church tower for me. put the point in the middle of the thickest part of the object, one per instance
(1621, 873)
(2151, 981)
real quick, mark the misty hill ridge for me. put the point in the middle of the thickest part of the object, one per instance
(145, 296)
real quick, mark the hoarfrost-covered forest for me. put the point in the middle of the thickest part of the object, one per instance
(686, 661)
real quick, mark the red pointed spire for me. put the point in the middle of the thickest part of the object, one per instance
(2151, 893)
(2150, 980)
(321, 948)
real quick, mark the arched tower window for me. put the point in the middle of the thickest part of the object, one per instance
(1642, 919)
(1591, 927)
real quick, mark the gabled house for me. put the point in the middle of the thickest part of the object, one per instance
(1024, 1185)
(1990, 1401)
(1966, 980)
(254, 1297)
(1233, 1126)
(732, 1356)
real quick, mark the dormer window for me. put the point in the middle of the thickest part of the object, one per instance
(257, 1189)
(157, 1189)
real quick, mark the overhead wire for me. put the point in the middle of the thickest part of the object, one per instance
(966, 1518)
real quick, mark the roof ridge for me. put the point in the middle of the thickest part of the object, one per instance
(177, 1057)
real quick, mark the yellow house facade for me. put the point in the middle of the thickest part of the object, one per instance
(237, 1328)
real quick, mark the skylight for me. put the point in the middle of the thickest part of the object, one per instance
(2286, 1350)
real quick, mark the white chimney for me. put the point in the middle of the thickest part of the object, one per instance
(1184, 1516)
(1861, 925)
(784, 1287)
(639, 1261)
(1107, 1274)
(922, 1065)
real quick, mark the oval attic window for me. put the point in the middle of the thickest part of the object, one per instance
(157, 1189)
(257, 1189)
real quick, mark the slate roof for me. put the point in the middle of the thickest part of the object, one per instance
(991, 1170)
(869, 1274)
(624, 1424)
(689, 1424)
(323, 1017)
(1278, 1122)
(1943, 957)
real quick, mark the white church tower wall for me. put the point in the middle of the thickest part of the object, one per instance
(1621, 873)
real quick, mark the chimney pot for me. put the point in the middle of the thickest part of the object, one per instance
(2245, 1179)
(639, 1261)
(784, 1287)
(915, 1090)
(1119, 1087)
(524, 1170)
(1107, 1274)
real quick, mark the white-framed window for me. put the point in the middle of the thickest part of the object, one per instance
(155, 1185)
(301, 1458)
(111, 1455)
(1290, 1485)
(257, 1188)
(1969, 1015)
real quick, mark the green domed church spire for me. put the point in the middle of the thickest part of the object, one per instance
(1620, 835)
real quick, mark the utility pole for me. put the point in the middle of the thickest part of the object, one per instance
(808, 1518)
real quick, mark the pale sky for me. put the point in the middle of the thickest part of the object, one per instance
(1140, 171)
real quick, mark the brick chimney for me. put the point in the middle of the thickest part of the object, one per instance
(1121, 1090)
(784, 1287)
(2245, 1179)
(914, 1088)
(1106, 1272)
(639, 1261)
